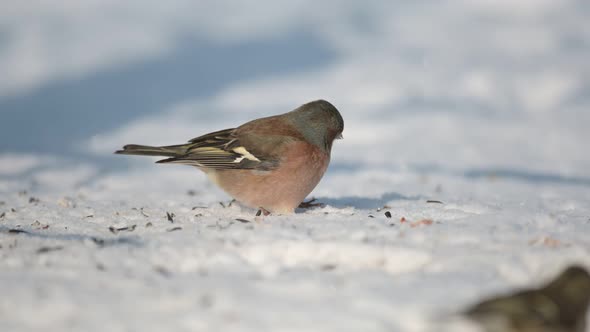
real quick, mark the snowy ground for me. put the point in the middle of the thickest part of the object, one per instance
(344, 267)
(467, 121)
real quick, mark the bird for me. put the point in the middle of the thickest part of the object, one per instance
(271, 163)
(559, 306)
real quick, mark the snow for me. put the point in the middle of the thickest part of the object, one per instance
(466, 121)
(342, 267)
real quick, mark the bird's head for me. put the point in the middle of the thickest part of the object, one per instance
(319, 122)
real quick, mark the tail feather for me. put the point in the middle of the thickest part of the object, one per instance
(163, 151)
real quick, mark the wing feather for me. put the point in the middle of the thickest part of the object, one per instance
(221, 150)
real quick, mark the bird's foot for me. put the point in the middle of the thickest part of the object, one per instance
(262, 211)
(228, 204)
(310, 204)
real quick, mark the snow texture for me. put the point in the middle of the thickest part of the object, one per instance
(464, 171)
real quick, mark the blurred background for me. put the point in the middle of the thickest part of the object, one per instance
(460, 87)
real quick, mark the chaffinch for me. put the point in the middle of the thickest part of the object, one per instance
(559, 306)
(270, 163)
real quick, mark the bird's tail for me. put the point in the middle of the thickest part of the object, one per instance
(163, 151)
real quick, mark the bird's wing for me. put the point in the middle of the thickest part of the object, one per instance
(225, 149)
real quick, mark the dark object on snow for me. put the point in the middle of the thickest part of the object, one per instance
(170, 217)
(120, 229)
(388, 214)
(97, 241)
(17, 231)
(559, 306)
(44, 250)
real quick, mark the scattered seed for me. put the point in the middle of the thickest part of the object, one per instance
(13, 210)
(170, 217)
(149, 224)
(120, 229)
(44, 250)
(97, 241)
(198, 215)
(198, 207)
(245, 221)
(191, 193)
(221, 203)
(388, 214)
(2, 215)
(434, 201)
(258, 213)
(371, 216)
(143, 213)
(17, 231)
(174, 229)
(89, 216)
(33, 200)
(38, 225)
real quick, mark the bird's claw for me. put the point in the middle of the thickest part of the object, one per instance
(310, 204)
(262, 211)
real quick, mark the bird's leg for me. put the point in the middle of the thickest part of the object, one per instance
(228, 204)
(262, 211)
(310, 204)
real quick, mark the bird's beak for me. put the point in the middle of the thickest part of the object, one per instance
(339, 136)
